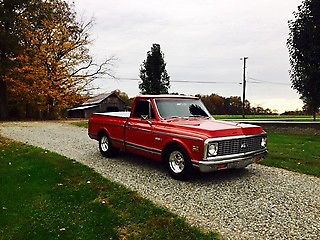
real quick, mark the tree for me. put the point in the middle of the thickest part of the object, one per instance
(233, 105)
(153, 73)
(9, 44)
(53, 69)
(304, 49)
(124, 97)
(218, 105)
(214, 103)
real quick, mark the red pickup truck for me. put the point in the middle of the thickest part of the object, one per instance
(180, 132)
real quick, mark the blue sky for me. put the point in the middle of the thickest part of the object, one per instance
(202, 40)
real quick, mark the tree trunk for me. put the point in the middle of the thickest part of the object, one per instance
(3, 100)
(314, 114)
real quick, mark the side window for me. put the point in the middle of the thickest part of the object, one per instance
(142, 109)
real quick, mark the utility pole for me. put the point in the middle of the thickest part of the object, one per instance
(244, 86)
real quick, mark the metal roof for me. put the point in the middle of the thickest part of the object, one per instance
(82, 107)
(97, 99)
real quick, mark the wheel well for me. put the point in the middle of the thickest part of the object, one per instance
(170, 146)
(101, 133)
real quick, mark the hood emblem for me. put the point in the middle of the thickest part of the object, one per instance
(243, 145)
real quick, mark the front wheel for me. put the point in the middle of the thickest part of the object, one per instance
(105, 146)
(178, 164)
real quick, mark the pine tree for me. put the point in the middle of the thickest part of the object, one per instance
(304, 49)
(153, 73)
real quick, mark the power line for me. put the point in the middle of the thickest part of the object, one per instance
(255, 80)
(181, 81)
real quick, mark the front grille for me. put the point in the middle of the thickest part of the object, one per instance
(240, 145)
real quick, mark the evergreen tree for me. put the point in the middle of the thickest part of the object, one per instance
(304, 49)
(153, 73)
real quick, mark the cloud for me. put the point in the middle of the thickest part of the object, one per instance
(202, 41)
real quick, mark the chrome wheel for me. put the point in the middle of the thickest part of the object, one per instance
(176, 162)
(105, 146)
(104, 143)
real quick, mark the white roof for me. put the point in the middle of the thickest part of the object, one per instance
(115, 114)
(82, 107)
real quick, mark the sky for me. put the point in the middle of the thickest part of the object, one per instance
(202, 41)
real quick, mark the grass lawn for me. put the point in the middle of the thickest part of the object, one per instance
(300, 153)
(296, 118)
(46, 196)
(83, 124)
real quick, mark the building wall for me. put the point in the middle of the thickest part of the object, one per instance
(88, 112)
(112, 104)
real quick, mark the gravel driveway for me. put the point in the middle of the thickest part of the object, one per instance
(256, 203)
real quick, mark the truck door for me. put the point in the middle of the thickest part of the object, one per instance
(139, 130)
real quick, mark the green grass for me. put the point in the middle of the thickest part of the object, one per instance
(46, 196)
(300, 153)
(83, 124)
(297, 118)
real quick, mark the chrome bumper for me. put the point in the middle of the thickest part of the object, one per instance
(227, 162)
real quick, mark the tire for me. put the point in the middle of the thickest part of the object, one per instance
(178, 163)
(105, 146)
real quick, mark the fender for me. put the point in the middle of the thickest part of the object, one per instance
(179, 142)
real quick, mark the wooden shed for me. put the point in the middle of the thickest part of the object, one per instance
(106, 102)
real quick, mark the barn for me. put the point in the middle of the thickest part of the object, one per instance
(105, 102)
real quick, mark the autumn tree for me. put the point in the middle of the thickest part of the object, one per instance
(124, 97)
(54, 70)
(153, 73)
(218, 105)
(214, 103)
(304, 49)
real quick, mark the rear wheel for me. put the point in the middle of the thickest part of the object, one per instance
(105, 146)
(178, 163)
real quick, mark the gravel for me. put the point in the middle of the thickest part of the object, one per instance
(256, 203)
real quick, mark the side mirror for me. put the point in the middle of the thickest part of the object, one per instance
(144, 117)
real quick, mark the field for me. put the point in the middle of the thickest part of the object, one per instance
(47, 196)
(294, 152)
(83, 123)
(296, 118)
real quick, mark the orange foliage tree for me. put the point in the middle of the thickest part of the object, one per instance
(54, 70)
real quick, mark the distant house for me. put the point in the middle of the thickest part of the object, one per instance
(106, 102)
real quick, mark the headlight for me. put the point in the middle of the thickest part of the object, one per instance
(213, 149)
(263, 142)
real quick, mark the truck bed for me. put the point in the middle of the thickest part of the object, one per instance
(112, 123)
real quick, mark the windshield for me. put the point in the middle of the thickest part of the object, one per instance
(181, 108)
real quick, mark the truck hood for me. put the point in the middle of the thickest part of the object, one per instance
(208, 128)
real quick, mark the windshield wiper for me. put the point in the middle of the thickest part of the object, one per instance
(172, 117)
